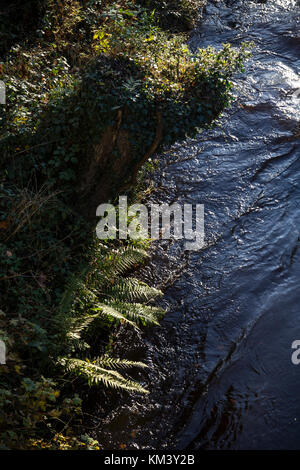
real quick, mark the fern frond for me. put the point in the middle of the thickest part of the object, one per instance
(69, 295)
(96, 374)
(139, 312)
(132, 290)
(80, 324)
(117, 363)
(76, 345)
(116, 263)
(102, 289)
(112, 312)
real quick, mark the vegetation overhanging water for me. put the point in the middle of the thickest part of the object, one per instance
(92, 94)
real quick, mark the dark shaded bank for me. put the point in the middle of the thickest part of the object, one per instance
(18, 19)
(221, 372)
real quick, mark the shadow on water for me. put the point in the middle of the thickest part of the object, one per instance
(222, 375)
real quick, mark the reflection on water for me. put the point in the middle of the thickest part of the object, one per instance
(222, 374)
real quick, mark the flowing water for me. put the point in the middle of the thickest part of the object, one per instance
(222, 375)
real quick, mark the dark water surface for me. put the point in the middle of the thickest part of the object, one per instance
(222, 375)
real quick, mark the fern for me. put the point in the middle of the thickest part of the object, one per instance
(111, 312)
(102, 288)
(139, 313)
(132, 290)
(95, 373)
(119, 262)
(75, 330)
(79, 325)
(116, 363)
(74, 284)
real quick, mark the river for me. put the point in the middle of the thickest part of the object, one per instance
(221, 374)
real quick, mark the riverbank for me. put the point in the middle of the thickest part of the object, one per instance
(93, 90)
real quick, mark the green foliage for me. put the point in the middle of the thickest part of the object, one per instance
(63, 294)
(94, 373)
(34, 409)
(128, 64)
(68, 344)
(102, 289)
(175, 15)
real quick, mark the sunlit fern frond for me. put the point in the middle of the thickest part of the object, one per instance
(114, 263)
(139, 313)
(131, 290)
(114, 313)
(68, 322)
(117, 363)
(102, 288)
(78, 325)
(95, 374)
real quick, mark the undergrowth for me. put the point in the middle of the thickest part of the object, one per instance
(86, 66)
